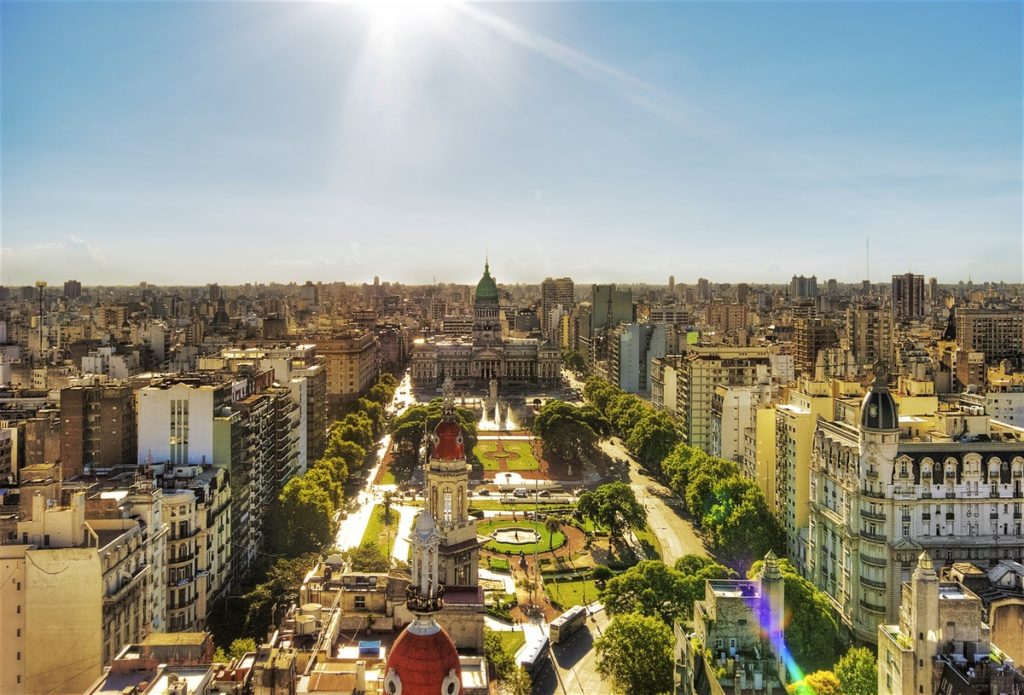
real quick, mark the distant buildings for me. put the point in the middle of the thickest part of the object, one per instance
(998, 333)
(554, 294)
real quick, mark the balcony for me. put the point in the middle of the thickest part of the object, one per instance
(875, 561)
(873, 607)
(177, 606)
(180, 560)
(133, 582)
(873, 537)
(875, 516)
(873, 583)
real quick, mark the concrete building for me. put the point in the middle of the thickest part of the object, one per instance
(75, 591)
(941, 643)
(802, 287)
(352, 363)
(610, 306)
(883, 487)
(97, 428)
(736, 644)
(733, 414)
(997, 333)
(632, 348)
(870, 334)
(811, 336)
(554, 293)
(703, 368)
(907, 297)
(727, 318)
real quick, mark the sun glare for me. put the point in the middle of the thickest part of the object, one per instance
(391, 19)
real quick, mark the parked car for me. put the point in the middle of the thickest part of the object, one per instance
(484, 493)
(520, 492)
(544, 493)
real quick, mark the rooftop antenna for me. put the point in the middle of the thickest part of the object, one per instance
(867, 259)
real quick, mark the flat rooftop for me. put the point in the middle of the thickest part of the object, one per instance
(735, 588)
(952, 591)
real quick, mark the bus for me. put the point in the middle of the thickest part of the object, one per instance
(534, 656)
(567, 623)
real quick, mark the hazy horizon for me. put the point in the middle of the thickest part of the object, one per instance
(188, 143)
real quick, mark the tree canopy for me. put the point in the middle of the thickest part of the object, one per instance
(367, 557)
(304, 518)
(613, 506)
(817, 683)
(635, 654)
(649, 588)
(857, 672)
(566, 434)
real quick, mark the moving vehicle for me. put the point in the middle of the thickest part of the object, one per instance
(534, 656)
(567, 623)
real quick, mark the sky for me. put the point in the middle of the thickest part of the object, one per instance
(231, 142)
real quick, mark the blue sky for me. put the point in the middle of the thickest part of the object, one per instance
(235, 142)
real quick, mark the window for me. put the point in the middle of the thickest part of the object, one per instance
(360, 603)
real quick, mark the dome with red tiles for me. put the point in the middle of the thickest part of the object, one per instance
(423, 661)
(448, 441)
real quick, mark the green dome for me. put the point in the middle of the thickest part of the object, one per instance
(486, 290)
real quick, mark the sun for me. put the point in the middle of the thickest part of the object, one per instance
(392, 19)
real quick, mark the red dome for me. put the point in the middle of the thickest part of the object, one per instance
(448, 442)
(425, 664)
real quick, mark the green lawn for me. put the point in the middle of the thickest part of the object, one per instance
(522, 458)
(376, 532)
(511, 640)
(388, 478)
(486, 528)
(569, 594)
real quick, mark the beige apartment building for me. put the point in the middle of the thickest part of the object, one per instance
(75, 591)
(351, 360)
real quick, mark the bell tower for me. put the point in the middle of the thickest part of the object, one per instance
(446, 474)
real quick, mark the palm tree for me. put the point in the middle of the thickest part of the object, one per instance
(553, 526)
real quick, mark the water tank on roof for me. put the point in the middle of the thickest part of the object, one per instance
(305, 625)
(311, 609)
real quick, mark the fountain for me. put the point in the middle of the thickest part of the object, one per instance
(501, 419)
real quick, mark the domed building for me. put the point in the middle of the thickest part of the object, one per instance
(474, 360)
(883, 488)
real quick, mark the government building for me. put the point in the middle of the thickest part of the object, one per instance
(890, 487)
(486, 354)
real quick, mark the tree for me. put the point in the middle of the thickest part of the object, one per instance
(374, 411)
(280, 588)
(346, 451)
(817, 683)
(320, 476)
(653, 438)
(239, 647)
(648, 588)
(518, 682)
(302, 518)
(512, 679)
(356, 427)
(552, 525)
(528, 585)
(385, 513)
(613, 506)
(857, 672)
(695, 571)
(574, 361)
(367, 557)
(565, 435)
(635, 654)
(811, 632)
(741, 527)
(624, 411)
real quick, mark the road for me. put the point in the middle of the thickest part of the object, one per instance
(675, 533)
(573, 669)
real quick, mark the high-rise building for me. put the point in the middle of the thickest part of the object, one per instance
(97, 428)
(801, 287)
(351, 360)
(870, 333)
(553, 294)
(610, 306)
(701, 369)
(727, 318)
(907, 296)
(703, 290)
(812, 335)
(999, 333)
(631, 349)
(671, 284)
(72, 289)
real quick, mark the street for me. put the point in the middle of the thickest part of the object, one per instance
(675, 533)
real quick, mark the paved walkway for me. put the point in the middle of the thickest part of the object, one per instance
(400, 550)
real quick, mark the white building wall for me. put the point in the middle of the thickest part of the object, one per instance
(154, 418)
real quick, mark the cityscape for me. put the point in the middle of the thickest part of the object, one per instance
(397, 348)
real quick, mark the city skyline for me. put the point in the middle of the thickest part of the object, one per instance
(193, 143)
